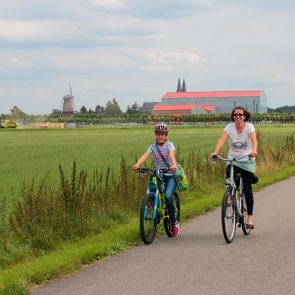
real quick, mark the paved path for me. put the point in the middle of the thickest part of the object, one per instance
(199, 261)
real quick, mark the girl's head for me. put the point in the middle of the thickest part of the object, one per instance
(240, 113)
(161, 132)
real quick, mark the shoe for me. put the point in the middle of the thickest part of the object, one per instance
(175, 229)
(250, 226)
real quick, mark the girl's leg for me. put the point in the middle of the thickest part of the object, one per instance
(170, 186)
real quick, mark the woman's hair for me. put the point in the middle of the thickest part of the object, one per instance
(247, 115)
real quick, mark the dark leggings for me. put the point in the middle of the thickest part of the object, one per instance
(247, 181)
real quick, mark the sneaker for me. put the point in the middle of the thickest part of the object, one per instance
(175, 229)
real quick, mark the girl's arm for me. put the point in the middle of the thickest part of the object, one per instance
(141, 160)
(171, 157)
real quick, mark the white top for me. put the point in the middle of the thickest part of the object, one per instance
(239, 143)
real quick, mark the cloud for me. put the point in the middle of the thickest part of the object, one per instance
(19, 63)
(111, 4)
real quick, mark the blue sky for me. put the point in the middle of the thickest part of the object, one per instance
(135, 50)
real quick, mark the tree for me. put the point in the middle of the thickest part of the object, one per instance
(99, 109)
(112, 109)
(17, 114)
(83, 109)
(134, 109)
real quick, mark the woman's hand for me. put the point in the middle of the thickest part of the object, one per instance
(253, 154)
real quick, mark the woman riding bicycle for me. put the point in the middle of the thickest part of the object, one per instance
(163, 148)
(242, 142)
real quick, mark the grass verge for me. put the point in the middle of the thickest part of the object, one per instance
(17, 279)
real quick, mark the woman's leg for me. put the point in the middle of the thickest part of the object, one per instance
(170, 186)
(247, 181)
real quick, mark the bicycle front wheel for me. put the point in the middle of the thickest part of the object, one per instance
(167, 221)
(228, 217)
(148, 224)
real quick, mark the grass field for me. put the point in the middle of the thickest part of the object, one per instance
(31, 154)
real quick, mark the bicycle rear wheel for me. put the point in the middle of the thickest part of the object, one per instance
(243, 219)
(148, 224)
(228, 217)
(167, 221)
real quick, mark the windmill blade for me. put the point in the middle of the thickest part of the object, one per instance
(71, 89)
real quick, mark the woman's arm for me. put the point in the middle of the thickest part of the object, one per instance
(254, 143)
(220, 143)
(141, 160)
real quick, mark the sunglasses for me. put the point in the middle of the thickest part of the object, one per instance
(160, 133)
(238, 115)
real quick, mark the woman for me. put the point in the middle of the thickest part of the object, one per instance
(242, 142)
(167, 149)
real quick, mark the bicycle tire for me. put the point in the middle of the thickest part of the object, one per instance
(228, 218)
(148, 224)
(167, 222)
(243, 219)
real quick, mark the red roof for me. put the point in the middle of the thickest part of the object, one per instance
(212, 94)
(208, 107)
(182, 107)
(174, 107)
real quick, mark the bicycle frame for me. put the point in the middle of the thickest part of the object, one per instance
(153, 208)
(231, 186)
(159, 204)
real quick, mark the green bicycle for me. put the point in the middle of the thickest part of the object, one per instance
(153, 208)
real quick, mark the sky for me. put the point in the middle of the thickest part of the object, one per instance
(136, 50)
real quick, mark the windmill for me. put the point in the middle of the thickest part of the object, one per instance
(67, 105)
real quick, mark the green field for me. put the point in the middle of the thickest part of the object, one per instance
(31, 154)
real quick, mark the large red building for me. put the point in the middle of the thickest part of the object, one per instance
(182, 102)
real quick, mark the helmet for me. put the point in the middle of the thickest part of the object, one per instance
(162, 127)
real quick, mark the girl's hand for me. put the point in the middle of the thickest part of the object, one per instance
(135, 167)
(173, 168)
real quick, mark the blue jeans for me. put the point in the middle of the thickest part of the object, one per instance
(170, 187)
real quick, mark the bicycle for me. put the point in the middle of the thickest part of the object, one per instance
(233, 208)
(153, 208)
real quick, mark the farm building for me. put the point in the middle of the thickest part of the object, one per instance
(183, 102)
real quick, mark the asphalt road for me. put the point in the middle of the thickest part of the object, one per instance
(199, 261)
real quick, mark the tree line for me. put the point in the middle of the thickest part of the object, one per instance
(112, 113)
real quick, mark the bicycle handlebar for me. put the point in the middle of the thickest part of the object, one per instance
(148, 170)
(215, 157)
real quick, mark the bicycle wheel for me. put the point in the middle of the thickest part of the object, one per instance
(243, 219)
(228, 217)
(148, 224)
(167, 221)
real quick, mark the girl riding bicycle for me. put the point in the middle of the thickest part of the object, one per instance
(163, 152)
(242, 142)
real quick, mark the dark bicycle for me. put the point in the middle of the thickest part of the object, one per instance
(233, 208)
(153, 208)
